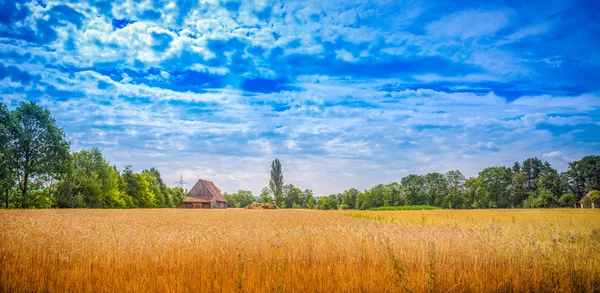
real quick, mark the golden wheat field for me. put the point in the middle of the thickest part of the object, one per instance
(176, 250)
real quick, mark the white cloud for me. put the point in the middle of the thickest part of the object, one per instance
(469, 23)
(488, 146)
(553, 154)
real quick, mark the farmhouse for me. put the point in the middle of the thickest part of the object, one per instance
(590, 200)
(204, 195)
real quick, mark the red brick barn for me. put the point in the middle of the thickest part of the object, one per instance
(204, 195)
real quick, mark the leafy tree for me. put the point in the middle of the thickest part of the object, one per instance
(7, 166)
(90, 182)
(455, 189)
(40, 148)
(392, 195)
(470, 197)
(532, 168)
(162, 198)
(543, 199)
(519, 191)
(413, 187)
(266, 195)
(373, 197)
(276, 182)
(330, 202)
(567, 200)
(292, 196)
(584, 175)
(494, 187)
(349, 198)
(310, 200)
(516, 168)
(177, 195)
(240, 199)
(138, 188)
(550, 180)
(434, 188)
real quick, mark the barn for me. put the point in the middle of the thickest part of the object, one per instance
(204, 195)
(590, 200)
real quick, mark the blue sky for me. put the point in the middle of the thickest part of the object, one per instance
(345, 93)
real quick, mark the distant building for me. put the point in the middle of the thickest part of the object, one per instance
(587, 202)
(204, 195)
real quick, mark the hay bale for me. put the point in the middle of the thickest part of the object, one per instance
(261, 206)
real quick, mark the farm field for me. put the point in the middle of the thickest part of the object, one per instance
(236, 250)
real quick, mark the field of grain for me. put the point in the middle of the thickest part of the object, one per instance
(172, 250)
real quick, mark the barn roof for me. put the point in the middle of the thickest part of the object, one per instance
(587, 195)
(205, 190)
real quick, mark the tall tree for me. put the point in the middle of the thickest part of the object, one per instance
(292, 196)
(40, 147)
(309, 199)
(392, 194)
(276, 182)
(584, 175)
(532, 168)
(7, 173)
(349, 198)
(470, 197)
(455, 190)
(519, 191)
(413, 187)
(435, 188)
(158, 187)
(494, 187)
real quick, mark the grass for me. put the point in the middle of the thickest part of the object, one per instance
(241, 250)
(404, 208)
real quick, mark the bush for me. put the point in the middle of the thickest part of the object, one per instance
(567, 200)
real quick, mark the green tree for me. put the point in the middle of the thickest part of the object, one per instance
(292, 196)
(7, 166)
(532, 168)
(162, 198)
(434, 188)
(494, 187)
(266, 195)
(349, 198)
(519, 191)
(413, 188)
(40, 149)
(310, 200)
(90, 182)
(543, 199)
(177, 195)
(138, 188)
(392, 195)
(470, 196)
(550, 180)
(276, 182)
(455, 190)
(567, 200)
(240, 199)
(584, 175)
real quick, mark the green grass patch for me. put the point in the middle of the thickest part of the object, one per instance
(405, 208)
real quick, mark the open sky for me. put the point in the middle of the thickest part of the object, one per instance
(345, 93)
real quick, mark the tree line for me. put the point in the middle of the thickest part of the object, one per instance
(528, 184)
(37, 169)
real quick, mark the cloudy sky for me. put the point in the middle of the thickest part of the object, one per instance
(345, 93)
